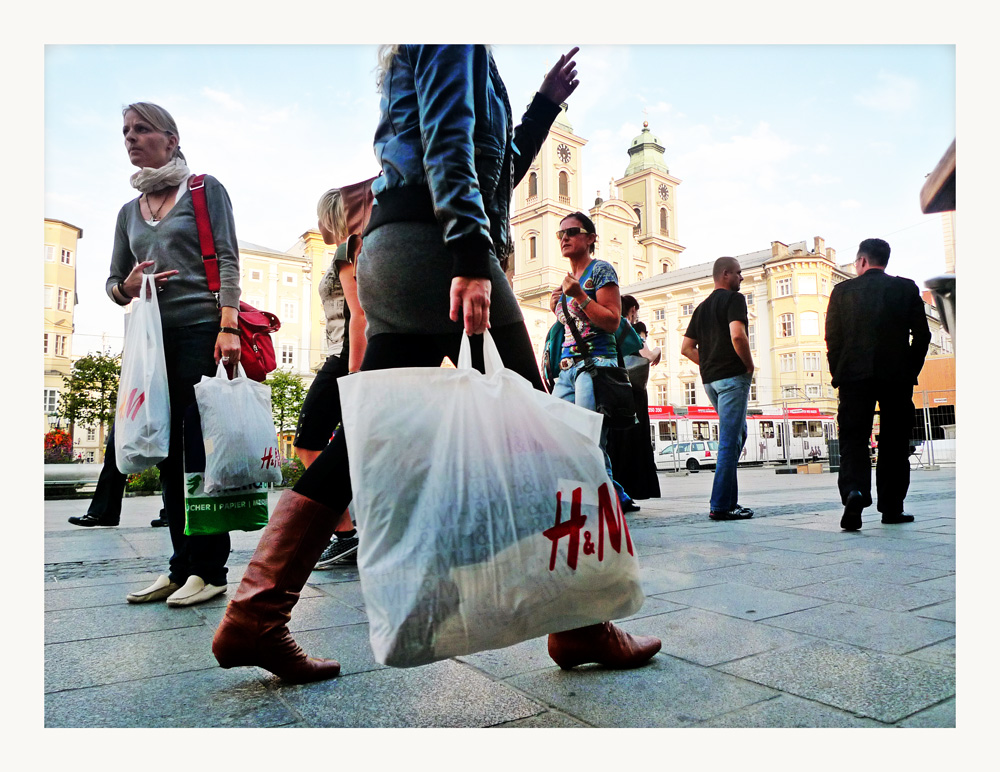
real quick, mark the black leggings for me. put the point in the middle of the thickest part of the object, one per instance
(328, 478)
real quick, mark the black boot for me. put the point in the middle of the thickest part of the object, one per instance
(88, 521)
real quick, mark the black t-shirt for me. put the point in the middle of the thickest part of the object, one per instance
(710, 327)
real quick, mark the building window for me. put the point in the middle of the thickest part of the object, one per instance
(50, 254)
(752, 335)
(687, 309)
(563, 186)
(60, 345)
(256, 274)
(830, 392)
(45, 343)
(665, 267)
(689, 393)
(787, 363)
(50, 397)
(822, 284)
(811, 361)
(753, 389)
(89, 457)
(664, 230)
(639, 276)
(661, 395)
(659, 314)
(749, 297)
(91, 434)
(253, 300)
(807, 285)
(786, 325)
(812, 390)
(638, 214)
(532, 185)
(532, 253)
(66, 258)
(784, 287)
(289, 310)
(288, 279)
(788, 392)
(810, 323)
(288, 354)
(62, 300)
(49, 295)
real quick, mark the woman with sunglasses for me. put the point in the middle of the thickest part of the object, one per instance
(431, 271)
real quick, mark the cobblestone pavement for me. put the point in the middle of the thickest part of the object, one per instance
(779, 621)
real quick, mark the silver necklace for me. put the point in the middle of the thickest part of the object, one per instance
(155, 216)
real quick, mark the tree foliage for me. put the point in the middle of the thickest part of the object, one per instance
(288, 392)
(91, 390)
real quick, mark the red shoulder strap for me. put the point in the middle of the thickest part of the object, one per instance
(196, 187)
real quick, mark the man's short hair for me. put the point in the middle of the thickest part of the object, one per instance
(722, 265)
(876, 250)
(628, 303)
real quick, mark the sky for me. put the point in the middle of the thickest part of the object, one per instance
(771, 142)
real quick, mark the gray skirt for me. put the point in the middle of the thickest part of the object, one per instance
(404, 277)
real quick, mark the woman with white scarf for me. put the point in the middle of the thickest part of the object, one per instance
(157, 234)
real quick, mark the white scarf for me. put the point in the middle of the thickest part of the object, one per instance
(150, 180)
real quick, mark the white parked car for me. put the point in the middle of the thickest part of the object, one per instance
(693, 456)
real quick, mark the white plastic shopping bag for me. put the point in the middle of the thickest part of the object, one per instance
(241, 444)
(142, 421)
(484, 510)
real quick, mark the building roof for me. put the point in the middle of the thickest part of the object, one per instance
(646, 152)
(246, 246)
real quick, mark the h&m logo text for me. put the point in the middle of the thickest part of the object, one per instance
(609, 516)
(130, 407)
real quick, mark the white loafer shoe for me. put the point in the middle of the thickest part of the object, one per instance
(158, 590)
(194, 591)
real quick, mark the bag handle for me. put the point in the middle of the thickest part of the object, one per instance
(196, 187)
(238, 372)
(491, 355)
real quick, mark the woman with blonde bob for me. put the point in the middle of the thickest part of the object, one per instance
(432, 270)
(156, 234)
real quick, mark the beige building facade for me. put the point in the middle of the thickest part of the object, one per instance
(59, 277)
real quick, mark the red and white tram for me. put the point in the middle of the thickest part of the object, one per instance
(806, 429)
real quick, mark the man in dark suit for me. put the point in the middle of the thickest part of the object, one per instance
(877, 338)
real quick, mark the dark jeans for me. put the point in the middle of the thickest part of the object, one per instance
(854, 419)
(107, 501)
(328, 479)
(190, 354)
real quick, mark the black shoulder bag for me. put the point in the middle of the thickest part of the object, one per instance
(612, 388)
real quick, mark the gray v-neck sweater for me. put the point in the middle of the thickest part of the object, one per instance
(173, 244)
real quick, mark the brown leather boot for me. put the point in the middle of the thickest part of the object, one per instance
(254, 630)
(604, 644)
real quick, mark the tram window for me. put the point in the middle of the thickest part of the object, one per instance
(800, 429)
(767, 430)
(815, 428)
(700, 430)
(668, 431)
(715, 431)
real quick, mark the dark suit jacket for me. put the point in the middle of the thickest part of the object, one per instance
(868, 326)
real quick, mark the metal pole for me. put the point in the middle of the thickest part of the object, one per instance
(927, 428)
(788, 435)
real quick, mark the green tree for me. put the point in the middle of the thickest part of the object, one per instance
(288, 392)
(91, 391)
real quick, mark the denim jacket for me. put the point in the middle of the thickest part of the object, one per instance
(448, 150)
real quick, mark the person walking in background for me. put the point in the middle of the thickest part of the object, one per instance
(156, 233)
(716, 340)
(432, 270)
(877, 338)
(345, 341)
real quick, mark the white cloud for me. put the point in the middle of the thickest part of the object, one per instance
(222, 98)
(892, 93)
(850, 203)
(823, 179)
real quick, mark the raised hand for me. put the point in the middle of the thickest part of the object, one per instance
(561, 80)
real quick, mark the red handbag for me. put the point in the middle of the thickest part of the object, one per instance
(256, 347)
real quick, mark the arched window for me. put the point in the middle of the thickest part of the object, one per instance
(639, 215)
(532, 185)
(564, 184)
(663, 223)
(665, 267)
(639, 276)
(531, 248)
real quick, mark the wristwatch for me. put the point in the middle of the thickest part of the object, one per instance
(232, 330)
(586, 302)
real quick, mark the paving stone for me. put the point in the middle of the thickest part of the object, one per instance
(790, 559)
(861, 592)
(895, 573)
(942, 715)
(207, 698)
(866, 683)
(942, 653)
(774, 577)
(444, 694)
(946, 582)
(687, 562)
(742, 601)
(872, 553)
(790, 712)
(550, 719)
(129, 580)
(348, 593)
(91, 596)
(666, 692)
(127, 657)
(812, 544)
(706, 638)
(943, 611)
(888, 631)
(656, 580)
(85, 624)
(521, 658)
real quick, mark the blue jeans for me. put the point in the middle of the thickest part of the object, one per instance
(729, 397)
(576, 386)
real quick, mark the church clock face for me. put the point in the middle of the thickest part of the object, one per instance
(564, 153)
(664, 192)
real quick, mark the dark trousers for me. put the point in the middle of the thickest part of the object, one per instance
(854, 418)
(190, 354)
(328, 478)
(107, 501)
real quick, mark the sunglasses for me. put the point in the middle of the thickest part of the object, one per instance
(570, 232)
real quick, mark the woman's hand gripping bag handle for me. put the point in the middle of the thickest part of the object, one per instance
(241, 446)
(142, 417)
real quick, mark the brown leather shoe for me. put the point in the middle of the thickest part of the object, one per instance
(254, 630)
(603, 644)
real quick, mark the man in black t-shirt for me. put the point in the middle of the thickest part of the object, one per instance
(716, 340)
